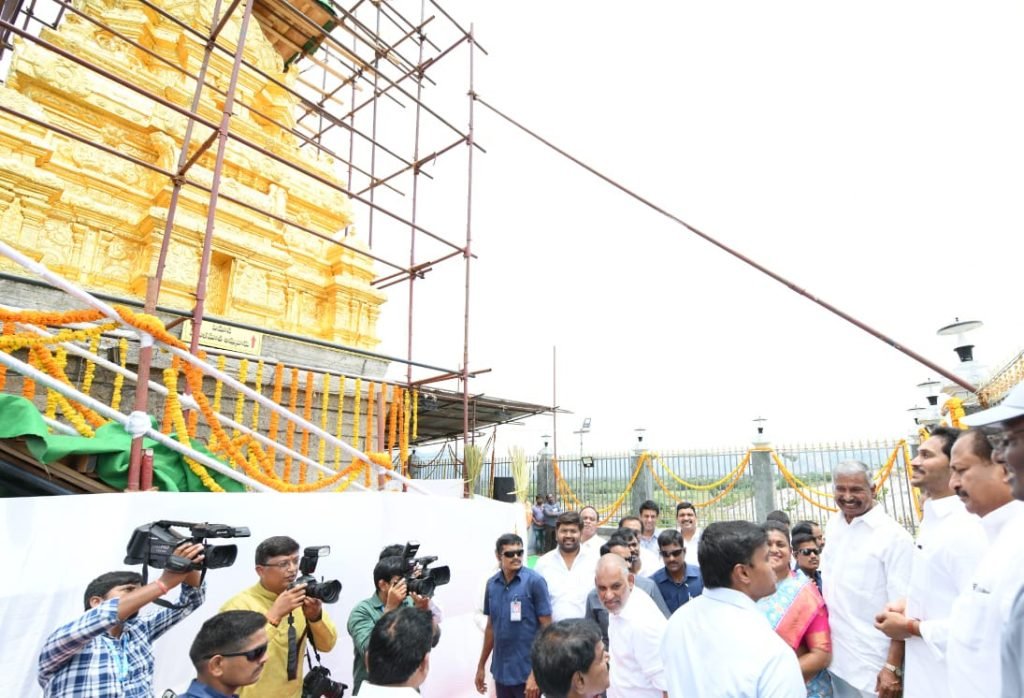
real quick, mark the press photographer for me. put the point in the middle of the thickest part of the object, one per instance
(293, 607)
(400, 579)
(108, 650)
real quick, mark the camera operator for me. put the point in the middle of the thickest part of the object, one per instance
(108, 650)
(392, 592)
(229, 652)
(277, 565)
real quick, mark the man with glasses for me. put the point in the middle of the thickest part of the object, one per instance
(950, 544)
(108, 650)
(1007, 419)
(517, 606)
(229, 652)
(678, 581)
(291, 618)
(808, 556)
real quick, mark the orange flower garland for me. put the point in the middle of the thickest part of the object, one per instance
(122, 350)
(340, 421)
(44, 358)
(174, 408)
(50, 319)
(7, 331)
(289, 430)
(357, 397)
(275, 418)
(307, 414)
(393, 420)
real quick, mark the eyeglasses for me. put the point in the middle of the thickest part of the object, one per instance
(512, 553)
(252, 655)
(809, 551)
(672, 553)
(1002, 439)
(293, 563)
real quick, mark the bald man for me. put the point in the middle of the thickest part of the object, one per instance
(635, 630)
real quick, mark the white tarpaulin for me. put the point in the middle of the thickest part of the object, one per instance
(55, 545)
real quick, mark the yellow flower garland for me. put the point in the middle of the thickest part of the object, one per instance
(340, 421)
(173, 407)
(239, 415)
(8, 330)
(122, 350)
(357, 416)
(90, 365)
(325, 402)
(691, 486)
(307, 414)
(415, 414)
(796, 484)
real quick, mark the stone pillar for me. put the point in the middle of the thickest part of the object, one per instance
(545, 474)
(643, 488)
(763, 471)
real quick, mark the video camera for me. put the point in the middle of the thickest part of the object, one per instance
(154, 544)
(419, 579)
(328, 590)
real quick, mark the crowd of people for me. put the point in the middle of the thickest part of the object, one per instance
(760, 610)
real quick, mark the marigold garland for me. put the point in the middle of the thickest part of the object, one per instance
(796, 484)
(258, 387)
(239, 416)
(325, 402)
(392, 420)
(737, 474)
(289, 430)
(690, 485)
(403, 444)
(28, 388)
(51, 404)
(357, 416)
(307, 414)
(45, 359)
(73, 416)
(370, 398)
(122, 350)
(415, 414)
(90, 365)
(340, 421)
(173, 406)
(8, 329)
(954, 406)
(151, 325)
(275, 418)
(51, 319)
(14, 342)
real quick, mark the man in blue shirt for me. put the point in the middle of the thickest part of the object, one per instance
(107, 652)
(229, 652)
(517, 606)
(677, 581)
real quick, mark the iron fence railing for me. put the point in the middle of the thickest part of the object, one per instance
(692, 476)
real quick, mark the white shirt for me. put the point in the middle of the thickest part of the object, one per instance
(950, 544)
(691, 548)
(651, 543)
(634, 638)
(568, 586)
(865, 565)
(649, 562)
(719, 644)
(979, 613)
(594, 544)
(369, 690)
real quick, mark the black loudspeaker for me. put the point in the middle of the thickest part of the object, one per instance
(504, 489)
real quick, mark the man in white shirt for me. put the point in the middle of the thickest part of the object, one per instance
(1008, 447)
(635, 630)
(398, 653)
(950, 543)
(865, 566)
(720, 644)
(568, 569)
(686, 518)
(588, 537)
(649, 530)
(980, 612)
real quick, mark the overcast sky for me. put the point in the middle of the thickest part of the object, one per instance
(871, 152)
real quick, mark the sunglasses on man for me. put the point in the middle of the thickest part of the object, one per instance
(512, 553)
(252, 655)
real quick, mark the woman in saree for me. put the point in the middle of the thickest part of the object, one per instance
(798, 614)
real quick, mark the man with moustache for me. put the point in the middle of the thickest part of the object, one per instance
(649, 512)
(980, 611)
(229, 652)
(865, 567)
(950, 544)
(570, 660)
(517, 606)
(292, 618)
(588, 537)
(686, 519)
(720, 644)
(568, 569)
(678, 581)
(644, 561)
(635, 630)
(1008, 443)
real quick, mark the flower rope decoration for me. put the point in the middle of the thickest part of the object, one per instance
(340, 421)
(289, 430)
(690, 485)
(357, 417)
(370, 395)
(50, 319)
(415, 414)
(796, 484)
(8, 330)
(275, 418)
(403, 441)
(392, 420)
(173, 407)
(325, 403)
(737, 474)
(90, 365)
(14, 342)
(307, 414)
(122, 351)
(44, 358)
(913, 490)
(239, 416)
(954, 406)
(883, 474)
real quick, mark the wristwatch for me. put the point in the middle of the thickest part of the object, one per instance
(894, 669)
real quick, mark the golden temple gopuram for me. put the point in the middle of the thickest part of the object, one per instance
(98, 219)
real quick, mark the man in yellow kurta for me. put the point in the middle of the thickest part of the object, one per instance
(277, 564)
